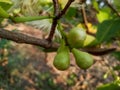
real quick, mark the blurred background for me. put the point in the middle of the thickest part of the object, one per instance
(27, 67)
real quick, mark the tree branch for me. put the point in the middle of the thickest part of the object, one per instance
(23, 38)
(52, 30)
(85, 19)
(109, 5)
(57, 15)
(54, 22)
(56, 7)
(65, 8)
(84, 16)
(99, 51)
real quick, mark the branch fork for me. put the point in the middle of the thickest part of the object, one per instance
(58, 14)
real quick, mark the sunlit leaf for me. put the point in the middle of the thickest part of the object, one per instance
(109, 86)
(107, 30)
(63, 3)
(6, 1)
(102, 15)
(95, 5)
(6, 4)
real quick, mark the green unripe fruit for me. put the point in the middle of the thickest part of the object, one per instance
(83, 59)
(76, 37)
(62, 59)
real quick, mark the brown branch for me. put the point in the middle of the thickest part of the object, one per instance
(57, 15)
(84, 16)
(54, 22)
(99, 51)
(22, 38)
(85, 19)
(110, 6)
(65, 8)
(52, 30)
(56, 7)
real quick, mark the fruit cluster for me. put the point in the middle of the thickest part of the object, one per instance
(76, 38)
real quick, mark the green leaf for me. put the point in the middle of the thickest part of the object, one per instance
(107, 30)
(6, 4)
(116, 55)
(63, 3)
(95, 5)
(117, 5)
(3, 43)
(6, 1)
(51, 83)
(1, 19)
(109, 86)
(102, 15)
(116, 67)
(3, 13)
(71, 13)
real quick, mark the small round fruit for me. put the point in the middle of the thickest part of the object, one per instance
(83, 59)
(76, 37)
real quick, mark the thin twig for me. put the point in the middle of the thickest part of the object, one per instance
(56, 7)
(52, 30)
(65, 8)
(85, 19)
(54, 22)
(84, 16)
(57, 15)
(110, 6)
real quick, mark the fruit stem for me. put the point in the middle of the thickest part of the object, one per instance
(60, 28)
